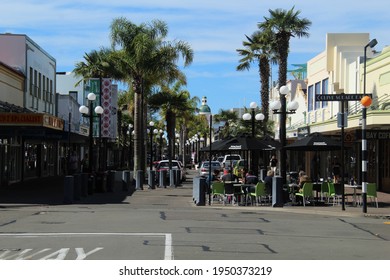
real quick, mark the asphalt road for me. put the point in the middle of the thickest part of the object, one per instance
(165, 224)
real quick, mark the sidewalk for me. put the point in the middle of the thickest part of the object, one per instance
(50, 191)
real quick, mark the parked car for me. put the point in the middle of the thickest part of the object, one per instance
(204, 168)
(220, 159)
(164, 165)
(228, 160)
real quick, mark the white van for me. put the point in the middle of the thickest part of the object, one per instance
(229, 159)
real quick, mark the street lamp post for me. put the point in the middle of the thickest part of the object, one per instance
(161, 132)
(88, 112)
(279, 107)
(252, 117)
(130, 132)
(151, 126)
(206, 110)
(371, 44)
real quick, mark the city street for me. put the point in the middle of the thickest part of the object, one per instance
(164, 223)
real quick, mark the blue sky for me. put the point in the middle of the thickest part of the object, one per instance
(213, 28)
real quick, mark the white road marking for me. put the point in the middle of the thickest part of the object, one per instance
(168, 250)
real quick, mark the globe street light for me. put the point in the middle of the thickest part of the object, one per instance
(88, 112)
(371, 44)
(206, 110)
(279, 107)
(252, 117)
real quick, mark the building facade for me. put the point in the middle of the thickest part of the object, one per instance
(340, 70)
(29, 128)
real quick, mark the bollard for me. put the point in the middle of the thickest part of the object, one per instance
(139, 182)
(125, 181)
(151, 180)
(199, 191)
(172, 178)
(162, 181)
(111, 180)
(91, 184)
(68, 189)
(277, 191)
(77, 186)
(178, 177)
(131, 183)
(84, 184)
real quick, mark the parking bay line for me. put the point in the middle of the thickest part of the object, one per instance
(168, 252)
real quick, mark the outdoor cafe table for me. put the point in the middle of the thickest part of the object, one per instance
(241, 188)
(354, 195)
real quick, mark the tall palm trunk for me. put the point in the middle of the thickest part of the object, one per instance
(264, 70)
(138, 132)
(283, 47)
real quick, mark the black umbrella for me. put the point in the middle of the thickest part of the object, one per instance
(271, 143)
(315, 142)
(242, 143)
(239, 143)
(215, 146)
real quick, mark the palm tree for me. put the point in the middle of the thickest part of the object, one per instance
(171, 102)
(230, 118)
(146, 58)
(96, 65)
(284, 25)
(259, 48)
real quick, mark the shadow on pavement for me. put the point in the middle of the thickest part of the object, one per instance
(50, 191)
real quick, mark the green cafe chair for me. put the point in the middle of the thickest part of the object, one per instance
(371, 193)
(217, 191)
(307, 192)
(259, 194)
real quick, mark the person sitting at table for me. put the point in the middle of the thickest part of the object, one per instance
(250, 178)
(303, 178)
(268, 181)
(214, 177)
(229, 177)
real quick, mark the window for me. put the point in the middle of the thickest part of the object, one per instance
(310, 98)
(47, 89)
(324, 91)
(35, 83)
(31, 89)
(39, 85)
(51, 91)
(317, 89)
(44, 87)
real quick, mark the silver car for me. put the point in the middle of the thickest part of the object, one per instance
(204, 168)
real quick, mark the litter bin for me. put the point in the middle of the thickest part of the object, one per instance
(178, 177)
(125, 180)
(91, 184)
(84, 184)
(199, 191)
(77, 186)
(101, 182)
(111, 180)
(68, 189)
(277, 191)
(131, 183)
(151, 179)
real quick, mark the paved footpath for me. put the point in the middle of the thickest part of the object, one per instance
(50, 191)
